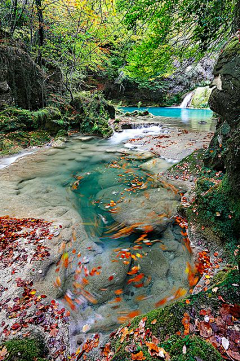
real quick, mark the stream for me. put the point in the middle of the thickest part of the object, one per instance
(134, 257)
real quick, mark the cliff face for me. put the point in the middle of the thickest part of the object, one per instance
(224, 149)
(22, 82)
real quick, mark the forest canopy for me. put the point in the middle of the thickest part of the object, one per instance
(139, 38)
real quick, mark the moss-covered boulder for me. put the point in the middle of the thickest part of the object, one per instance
(190, 349)
(21, 79)
(225, 97)
(187, 330)
(92, 114)
(16, 119)
(24, 350)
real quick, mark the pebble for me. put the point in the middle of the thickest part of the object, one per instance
(206, 318)
(85, 260)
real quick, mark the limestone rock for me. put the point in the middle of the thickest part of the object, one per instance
(223, 152)
(155, 208)
(23, 79)
(201, 97)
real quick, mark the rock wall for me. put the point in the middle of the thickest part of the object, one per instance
(189, 75)
(22, 82)
(165, 92)
(224, 150)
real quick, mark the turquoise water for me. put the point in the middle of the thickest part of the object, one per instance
(197, 119)
(96, 177)
(181, 113)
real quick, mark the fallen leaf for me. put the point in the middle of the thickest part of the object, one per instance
(138, 356)
(234, 355)
(3, 353)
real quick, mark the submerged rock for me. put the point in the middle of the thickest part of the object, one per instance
(155, 208)
(155, 166)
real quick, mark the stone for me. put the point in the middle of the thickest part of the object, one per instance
(154, 263)
(155, 166)
(111, 193)
(201, 97)
(107, 179)
(155, 208)
(60, 144)
(141, 156)
(102, 286)
(223, 152)
(23, 79)
(84, 139)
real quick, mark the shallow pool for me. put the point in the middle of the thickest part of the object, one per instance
(197, 119)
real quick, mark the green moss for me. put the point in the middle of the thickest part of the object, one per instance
(169, 320)
(196, 347)
(229, 288)
(192, 164)
(216, 208)
(232, 48)
(24, 350)
(15, 142)
(93, 113)
(44, 114)
(201, 97)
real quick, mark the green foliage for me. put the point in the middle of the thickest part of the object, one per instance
(176, 29)
(16, 141)
(140, 39)
(12, 119)
(24, 350)
(195, 347)
(93, 113)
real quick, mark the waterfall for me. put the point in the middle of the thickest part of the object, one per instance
(187, 100)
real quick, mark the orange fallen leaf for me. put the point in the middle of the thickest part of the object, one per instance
(134, 314)
(138, 356)
(134, 270)
(136, 278)
(118, 292)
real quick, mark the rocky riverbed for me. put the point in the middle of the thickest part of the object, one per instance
(42, 186)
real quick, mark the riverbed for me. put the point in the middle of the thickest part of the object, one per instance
(120, 251)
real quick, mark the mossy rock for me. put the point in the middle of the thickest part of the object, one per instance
(195, 349)
(201, 97)
(12, 119)
(93, 114)
(14, 142)
(217, 207)
(192, 162)
(85, 101)
(25, 350)
(15, 119)
(169, 322)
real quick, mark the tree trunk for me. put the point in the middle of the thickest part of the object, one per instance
(40, 29)
(13, 16)
(236, 24)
